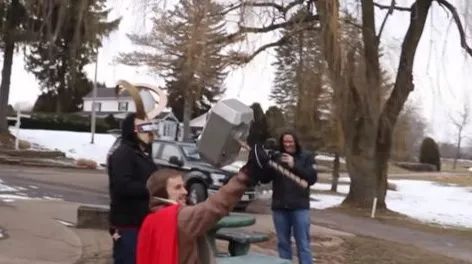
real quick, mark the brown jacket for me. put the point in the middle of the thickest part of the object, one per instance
(195, 221)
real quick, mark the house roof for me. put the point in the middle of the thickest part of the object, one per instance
(199, 121)
(106, 93)
(167, 115)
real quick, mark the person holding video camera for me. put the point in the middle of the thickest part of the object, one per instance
(290, 202)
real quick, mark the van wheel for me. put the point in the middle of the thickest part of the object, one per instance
(197, 193)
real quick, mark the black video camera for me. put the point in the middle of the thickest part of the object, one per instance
(270, 145)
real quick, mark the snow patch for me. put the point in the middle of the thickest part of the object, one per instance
(10, 197)
(323, 201)
(6, 188)
(52, 198)
(422, 200)
(342, 188)
(432, 202)
(66, 223)
(323, 157)
(75, 145)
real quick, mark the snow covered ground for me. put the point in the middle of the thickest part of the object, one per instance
(423, 200)
(324, 157)
(75, 145)
(431, 202)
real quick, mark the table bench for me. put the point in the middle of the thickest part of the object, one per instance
(240, 240)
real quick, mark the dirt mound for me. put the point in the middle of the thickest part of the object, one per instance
(7, 141)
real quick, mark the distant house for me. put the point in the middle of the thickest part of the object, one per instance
(168, 126)
(108, 103)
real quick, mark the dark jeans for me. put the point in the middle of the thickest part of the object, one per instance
(124, 248)
(298, 222)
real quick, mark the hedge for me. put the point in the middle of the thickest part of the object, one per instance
(67, 122)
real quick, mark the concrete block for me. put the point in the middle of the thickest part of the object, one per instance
(93, 216)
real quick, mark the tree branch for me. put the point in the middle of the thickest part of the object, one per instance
(242, 59)
(291, 5)
(247, 58)
(398, 8)
(390, 12)
(459, 25)
(404, 79)
(272, 27)
(233, 7)
(281, 8)
(242, 29)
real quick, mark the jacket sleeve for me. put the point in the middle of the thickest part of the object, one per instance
(267, 175)
(122, 176)
(306, 169)
(197, 220)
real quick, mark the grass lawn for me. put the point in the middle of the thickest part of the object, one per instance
(363, 250)
(394, 218)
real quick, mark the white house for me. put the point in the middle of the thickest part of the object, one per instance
(168, 126)
(108, 103)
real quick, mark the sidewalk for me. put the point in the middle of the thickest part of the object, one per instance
(33, 233)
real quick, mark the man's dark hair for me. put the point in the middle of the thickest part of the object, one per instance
(298, 148)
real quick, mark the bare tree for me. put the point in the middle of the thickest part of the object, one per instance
(460, 121)
(367, 117)
(23, 21)
(367, 122)
(408, 133)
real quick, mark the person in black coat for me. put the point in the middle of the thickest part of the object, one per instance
(290, 202)
(129, 167)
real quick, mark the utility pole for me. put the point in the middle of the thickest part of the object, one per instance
(94, 97)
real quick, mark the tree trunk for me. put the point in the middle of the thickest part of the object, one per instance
(9, 48)
(362, 164)
(5, 85)
(458, 149)
(60, 99)
(186, 117)
(335, 173)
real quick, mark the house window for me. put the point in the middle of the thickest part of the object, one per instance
(167, 129)
(123, 106)
(98, 107)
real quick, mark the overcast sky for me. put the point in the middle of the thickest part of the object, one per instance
(442, 71)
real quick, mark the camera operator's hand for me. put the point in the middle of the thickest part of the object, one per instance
(287, 159)
(257, 162)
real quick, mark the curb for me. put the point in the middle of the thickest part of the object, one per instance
(45, 163)
(93, 217)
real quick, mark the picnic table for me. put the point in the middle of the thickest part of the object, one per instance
(239, 241)
(234, 220)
